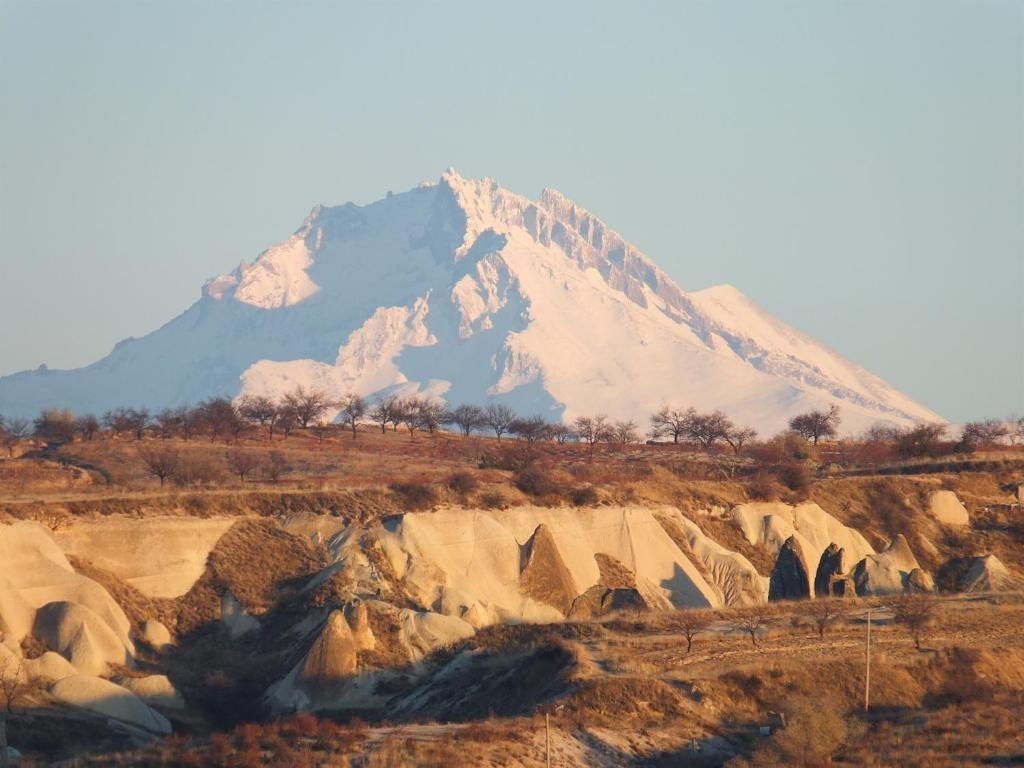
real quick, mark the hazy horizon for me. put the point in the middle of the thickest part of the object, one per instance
(856, 170)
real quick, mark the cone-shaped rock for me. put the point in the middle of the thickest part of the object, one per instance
(829, 579)
(544, 575)
(359, 622)
(887, 572)
(332, 657)
(789, 579)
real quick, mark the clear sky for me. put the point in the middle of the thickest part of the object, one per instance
(856, 168)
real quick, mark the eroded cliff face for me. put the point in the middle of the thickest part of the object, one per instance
(339, 602)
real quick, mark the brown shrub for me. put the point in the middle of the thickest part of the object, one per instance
(415, 496)
(463, 482)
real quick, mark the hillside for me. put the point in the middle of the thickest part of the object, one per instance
(441, 591)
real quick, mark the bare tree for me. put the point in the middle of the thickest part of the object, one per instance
(118, 421)
(410, 413)
(14, 432)
(160, 462)
(531, 430)
(220, 417)
(384, 410)
(243, 463)
(917, 614)
(624, 432)
(1016, 427)
(168, 422)
(139, 419)
(308, 405)
(708, 428)
(432, 414)
(14, 687)
(275, 465)
(815, 425)
(55, 425)
(751, 620)
(671, 421)
(321, 429)
(261, 410)
(825, 613)
(692, 622)
(592, 430)
(466, 418)
(920, 440)
(738, 437)
(88, 426)
(353, 408)
(560, 433)
(189, 421)
(499, 418)
(983, 434)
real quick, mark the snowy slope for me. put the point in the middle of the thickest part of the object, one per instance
(469, 292)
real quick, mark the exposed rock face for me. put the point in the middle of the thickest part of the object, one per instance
(81, 636)
(830, 577)
(886, 573)
(544, 576)
(115, 702)
(34, 572)
(332, 657)
(162, 558)
(600, 600)
(235, 617)
(919, 580)
(988, 574)
(733, 577)
(155, 635)
(946, 508)
(790, 579)
(49, 668)
(156, 691)
(359, 622)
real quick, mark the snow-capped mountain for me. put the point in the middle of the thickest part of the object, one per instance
(468, 292)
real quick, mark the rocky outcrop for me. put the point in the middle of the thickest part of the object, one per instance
(790, 578)
(600, 600)
(332, 657)
(919, 581)
(358, 618)
(156, 691)
(234, 616)
(946, 508)
(987, 574)
(887, 572)
(155, 635)
(543, 575)
(49, 667)
(81, 636)
(113, 701)
(830, 578)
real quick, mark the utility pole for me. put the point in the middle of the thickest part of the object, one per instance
(547, 737)
(867, 667)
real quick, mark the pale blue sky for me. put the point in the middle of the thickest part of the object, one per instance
(856, 168)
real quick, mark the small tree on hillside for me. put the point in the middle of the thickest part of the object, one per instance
(13, 432)
(825, 613)
(983, 434)
(531, 430)
(384, 411)
(499, 418)
(159, 462)
(691, 623)
(243, 463)
(561, 433)
(307, 405)
(275, 465)
(55, 425)
(88, 426)
(592, 430)
(624, 432)
(671, 422)
(815, 425)
(167, 423)
(466, 418)
(353, 409)
(917, 614)
(921, 440)
(738, 437)
(751, 620)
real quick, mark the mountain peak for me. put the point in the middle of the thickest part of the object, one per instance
(467, 291)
